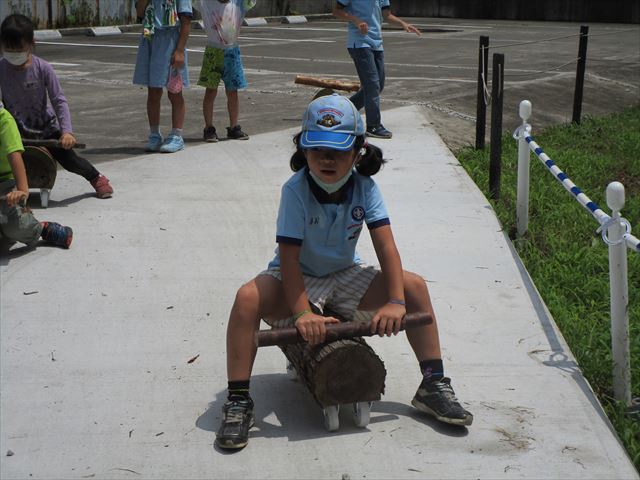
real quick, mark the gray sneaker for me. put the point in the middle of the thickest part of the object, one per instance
(378, 132)
(209, 134)
(439, 400)
(236, 133)
(237, 419)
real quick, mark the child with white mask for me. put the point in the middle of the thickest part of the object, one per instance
(33, 96)
(324, 206)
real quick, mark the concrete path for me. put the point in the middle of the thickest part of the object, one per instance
(95, 341)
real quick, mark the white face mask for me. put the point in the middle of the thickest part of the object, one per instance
(16, 58)
(331, 187)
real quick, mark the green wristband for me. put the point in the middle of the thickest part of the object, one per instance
(300, 314)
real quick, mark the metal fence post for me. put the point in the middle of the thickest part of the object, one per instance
(481, 107)
(619, 297)
(497, 89)
(582, 64)
(522, 200)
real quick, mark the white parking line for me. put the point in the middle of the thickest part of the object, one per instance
(88, 44)
(242, 37)
(425, 25)
(296, 59)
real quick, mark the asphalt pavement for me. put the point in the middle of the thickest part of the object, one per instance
(437, 70)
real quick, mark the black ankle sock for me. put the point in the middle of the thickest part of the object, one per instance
(238, 389)
(432, 370)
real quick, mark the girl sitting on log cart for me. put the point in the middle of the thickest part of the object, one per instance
(323, 208)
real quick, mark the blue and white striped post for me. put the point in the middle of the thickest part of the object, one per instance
(522, 200)
(618, 285)
(616, 233)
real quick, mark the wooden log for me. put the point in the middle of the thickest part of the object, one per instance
(40, 167)
(340, 372)
(288, 336)
(328, 83)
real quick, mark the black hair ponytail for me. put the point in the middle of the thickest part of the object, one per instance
(15, 30)
(369, 164)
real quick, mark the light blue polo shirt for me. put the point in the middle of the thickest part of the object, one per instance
(371, 12)
(327, 232)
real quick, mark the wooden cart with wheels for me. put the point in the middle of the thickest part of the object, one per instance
(41, 171)
(342, 371)
(40, 166)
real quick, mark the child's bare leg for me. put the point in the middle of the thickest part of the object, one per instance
(154, 95)
(423, 340)
(262, 297)
(207, 105)
(178, 109)
(233, 106)
(435, 396)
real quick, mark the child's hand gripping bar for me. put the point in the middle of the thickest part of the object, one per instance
(337, 331)
(48, 143)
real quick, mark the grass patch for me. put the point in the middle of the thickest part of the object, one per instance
(568, 263)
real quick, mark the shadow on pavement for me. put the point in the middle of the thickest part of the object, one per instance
(71, 200)
(127, 151)
(284, 408)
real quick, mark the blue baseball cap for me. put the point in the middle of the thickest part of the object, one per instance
(332, 122)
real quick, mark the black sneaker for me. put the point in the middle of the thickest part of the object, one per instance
(237, 419)
(439, 400)
(57, 234)
(210, 135)
(236, 133)
(378, 132)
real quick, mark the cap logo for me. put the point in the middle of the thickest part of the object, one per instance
(329, 117)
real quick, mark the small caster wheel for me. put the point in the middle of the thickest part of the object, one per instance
(44, 197)
(291, 371)
(361, 413)
(331, 417)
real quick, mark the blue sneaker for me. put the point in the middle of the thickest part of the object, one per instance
(172, 144)
(154, 143)
(57, 234)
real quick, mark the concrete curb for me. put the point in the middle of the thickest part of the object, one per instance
(297, 19)
(46, 34)
(104, 31)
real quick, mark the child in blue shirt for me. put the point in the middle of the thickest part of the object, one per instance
(323, 208)
(162, 56)
(364, 43)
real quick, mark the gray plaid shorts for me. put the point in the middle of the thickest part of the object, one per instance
(337, 293)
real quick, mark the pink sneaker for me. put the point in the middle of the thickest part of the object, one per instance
(101, 184)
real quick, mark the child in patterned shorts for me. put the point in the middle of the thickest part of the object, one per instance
(324, 207)
(222, 21)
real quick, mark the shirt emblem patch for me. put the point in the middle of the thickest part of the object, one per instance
(357, 213)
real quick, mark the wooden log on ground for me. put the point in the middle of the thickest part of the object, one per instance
(328, 83)
(287, 336)
(340, 372)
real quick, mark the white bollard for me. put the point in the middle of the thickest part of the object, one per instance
(618, 284)
(522, 200)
